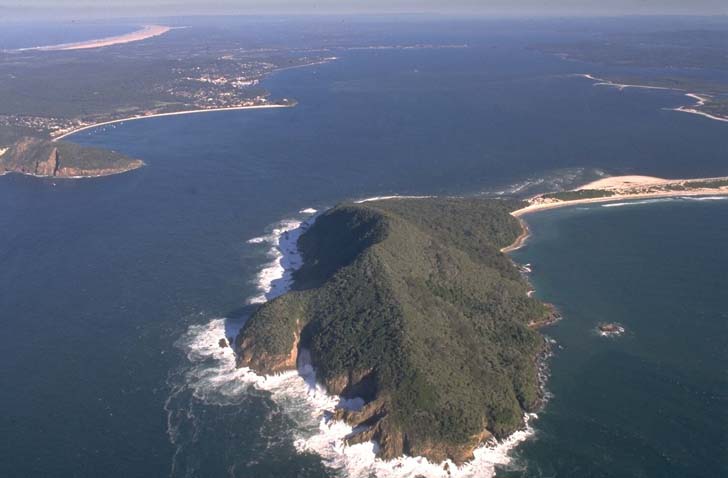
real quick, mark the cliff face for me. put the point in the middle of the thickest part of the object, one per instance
(43, 158)
(409, 305)
(258, 358)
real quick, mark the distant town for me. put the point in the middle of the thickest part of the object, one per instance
(169, 74)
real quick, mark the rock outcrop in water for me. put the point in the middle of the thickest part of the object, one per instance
(38, 157)
(410, 305)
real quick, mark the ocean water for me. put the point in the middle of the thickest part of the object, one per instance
(653, 401)
(116, 291)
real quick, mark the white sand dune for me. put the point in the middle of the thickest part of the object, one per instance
(627, 188)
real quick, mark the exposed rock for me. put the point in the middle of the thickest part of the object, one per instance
(250, 355)
(610, 329)
(38, 157)
(411, 306)
(357, 383)
(372, 423)
(551, 318)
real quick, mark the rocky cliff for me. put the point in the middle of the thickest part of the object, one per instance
(410, 305)
(38, 157)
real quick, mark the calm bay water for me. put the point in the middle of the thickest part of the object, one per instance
(653, 402)
(102, 279)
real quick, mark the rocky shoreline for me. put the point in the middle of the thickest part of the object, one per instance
(45, 159)
(377, 419)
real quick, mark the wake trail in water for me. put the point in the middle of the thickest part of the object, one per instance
(212, 378)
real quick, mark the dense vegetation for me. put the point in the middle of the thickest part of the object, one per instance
(45, 158)
(579, 194)
(707, 184)
(414, 295)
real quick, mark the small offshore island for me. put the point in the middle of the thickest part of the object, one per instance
(43, 158)
(410, 305)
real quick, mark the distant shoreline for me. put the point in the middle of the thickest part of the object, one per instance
(147, 31)
(701, 99)
(174, 113)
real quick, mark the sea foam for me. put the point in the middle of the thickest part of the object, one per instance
(636, 203)
(214, 379)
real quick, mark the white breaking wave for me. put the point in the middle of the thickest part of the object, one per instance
(214, 379)
(635, 203)
(666, 199)
(360, 461)
(706, 198)
(275, 278)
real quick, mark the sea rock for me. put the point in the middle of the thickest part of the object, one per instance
(610, 329)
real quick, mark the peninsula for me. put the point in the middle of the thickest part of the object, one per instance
(81, 86)
(43, 158)
(409, 305)
(148, 31)
(621, 188)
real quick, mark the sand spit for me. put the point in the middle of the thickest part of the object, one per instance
(174, 113)
(700, 99)
(148, 31)
(630, 188)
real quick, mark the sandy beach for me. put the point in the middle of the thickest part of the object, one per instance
(520, 240)
(616, 198)
(625, 188)
(159, 115)
(622, 86)
(148, 31)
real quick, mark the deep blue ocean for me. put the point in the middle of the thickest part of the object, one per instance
(109, 285)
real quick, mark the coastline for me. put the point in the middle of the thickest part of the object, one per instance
(89, 176)
(623, 86)
(328, 438)
(159, 115)
(521, 239)
(144, 33)
(305, 401)
(701, 99)
(617, 198)
(620, 185)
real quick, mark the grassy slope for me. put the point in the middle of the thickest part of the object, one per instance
(418, 291)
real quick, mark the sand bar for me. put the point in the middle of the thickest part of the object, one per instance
(623, 188)
(174, 113)
(627, 188)
(148, 31)
(700, 99)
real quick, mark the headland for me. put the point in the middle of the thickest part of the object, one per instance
(393, 298)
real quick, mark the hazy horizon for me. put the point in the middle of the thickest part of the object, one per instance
(82, 9)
